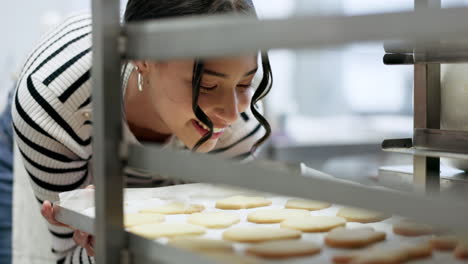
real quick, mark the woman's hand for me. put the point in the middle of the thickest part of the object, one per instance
(81, 238)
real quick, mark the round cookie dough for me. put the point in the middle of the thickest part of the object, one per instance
(213, 219)
(259, 234)
(175, 208)
(242, 202)
(313, 223)
(153, 231)
(310, 205)
(139, 219)
(408, 228)
(342, 237)
(272, 216)
(361, 215)
(201, 244)
(283, 249)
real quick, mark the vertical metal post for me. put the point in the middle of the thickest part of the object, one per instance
(426, 112)
(107, 168)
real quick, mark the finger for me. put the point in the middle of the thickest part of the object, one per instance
(90, 246)
(90, 186)
(48, 213)
(89, 251)
(85, 241)
(80, 238)
(77, 237)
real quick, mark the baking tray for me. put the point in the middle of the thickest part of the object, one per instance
(76, 209)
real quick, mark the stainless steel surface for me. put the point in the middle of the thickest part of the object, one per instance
(403, 146)
(426, 104)
(446, 173)
(427, 96)
(453, 182)
(426, 173)
(107, 169)
(221, 35)
(207, 168)
(441, 140)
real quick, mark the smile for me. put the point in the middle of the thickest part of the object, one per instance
(203, 129)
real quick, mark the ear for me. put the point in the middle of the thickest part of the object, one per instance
(143, 66)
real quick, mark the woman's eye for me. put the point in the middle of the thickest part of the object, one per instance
(244, 87)
(208, 88)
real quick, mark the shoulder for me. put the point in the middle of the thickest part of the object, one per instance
(54, 86)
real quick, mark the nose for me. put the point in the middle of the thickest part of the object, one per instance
(227, 110)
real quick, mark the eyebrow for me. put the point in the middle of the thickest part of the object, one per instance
(223, 75)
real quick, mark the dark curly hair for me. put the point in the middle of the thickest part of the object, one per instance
(138, 10)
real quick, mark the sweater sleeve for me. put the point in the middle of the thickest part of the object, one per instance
(55, 154)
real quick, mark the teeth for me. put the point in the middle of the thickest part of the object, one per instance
(215, 130)
(203, 125)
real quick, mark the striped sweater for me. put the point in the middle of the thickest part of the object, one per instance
(52, 123)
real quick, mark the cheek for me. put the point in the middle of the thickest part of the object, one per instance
(177, 91)
(244, 100)
(173, 101)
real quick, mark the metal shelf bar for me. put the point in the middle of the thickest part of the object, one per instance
(228, 35)
(441, 140)
(207, 168)
(404, 146)
(107, 166)
(426, 104)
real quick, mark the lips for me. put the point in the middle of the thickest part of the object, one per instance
(203, 129)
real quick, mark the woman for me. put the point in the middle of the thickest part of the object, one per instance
(205, 106)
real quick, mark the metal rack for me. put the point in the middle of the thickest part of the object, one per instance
(225, 35)
(429, 142)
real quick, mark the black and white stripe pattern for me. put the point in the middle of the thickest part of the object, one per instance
(53, 133)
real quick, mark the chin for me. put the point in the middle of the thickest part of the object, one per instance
(205, 147)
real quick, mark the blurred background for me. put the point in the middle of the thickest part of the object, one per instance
(330, 108)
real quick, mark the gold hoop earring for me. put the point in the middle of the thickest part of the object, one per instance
(140, 80)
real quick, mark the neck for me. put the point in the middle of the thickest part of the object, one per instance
(145, 127)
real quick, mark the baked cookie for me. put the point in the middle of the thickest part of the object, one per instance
(213, 219)
(361, 215)
(461, 251)
(201, 244)
(139, 219)
(372, 256)
(310, 205)
(242, 202)
(418, 251)
(283, 249)
(259, 234)
(174, 208)
(272, 216)
(342, 237)
(444, 243)
(408, 228)
(153, 231)
(313, 223)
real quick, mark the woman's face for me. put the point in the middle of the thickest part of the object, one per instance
(224, 93)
